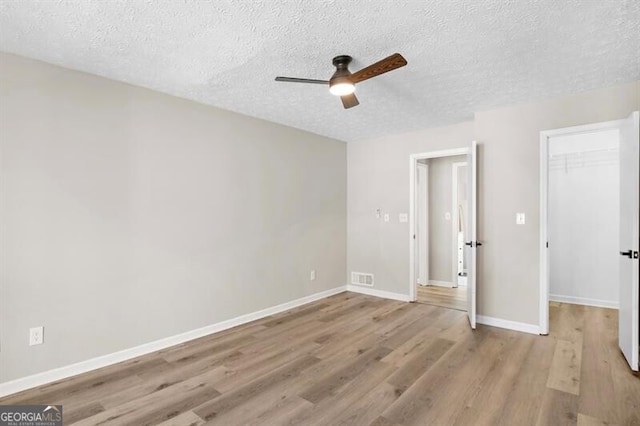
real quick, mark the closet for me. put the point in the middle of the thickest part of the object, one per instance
(584, 218)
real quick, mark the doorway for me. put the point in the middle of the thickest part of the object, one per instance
(442, 203)
(442, 229)
(589, 223)
(583, 211)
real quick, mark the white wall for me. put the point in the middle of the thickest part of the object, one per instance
(128, 216)
(378, 177)
(441, 236)
(509, 151)
(584, 218)
(509, 182)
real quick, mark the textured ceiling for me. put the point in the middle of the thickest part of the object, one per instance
(464, 56)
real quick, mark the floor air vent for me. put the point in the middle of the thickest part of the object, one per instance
(360, 278)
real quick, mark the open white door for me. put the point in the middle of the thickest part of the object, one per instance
(472, 244)
(628, 321)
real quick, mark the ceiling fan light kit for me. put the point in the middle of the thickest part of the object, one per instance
(343, 83)
(341, 88)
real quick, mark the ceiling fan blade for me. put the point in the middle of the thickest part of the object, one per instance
(349, 101)
(387, 64)
(301, 80)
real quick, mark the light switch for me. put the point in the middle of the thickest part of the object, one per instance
(403, 218)
(519, 218)
(447, 216)
(386, 217)
(378, 213)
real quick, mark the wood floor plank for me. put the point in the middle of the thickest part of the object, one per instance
(627, 394)
(159, 406)
(558, 408)
(596, 379)
(279, 413)
(452, 377)
(368, 408)
(361, 360)
(584, 420)
(274, 343)
(359, 329)
(251, 369)
(343, 398)
(422, 338)
(89, 385)
(278, 399)
(188, 418)
(182, 370)
(382, 421)
(200, 351)
(408, 330)
(457, 330)
(565, 367)
(348, 310)
(445, 297)
(523, 400)
(292, 316)
(347, 355)
(229, 400)
(73, 415)
(212, 340)
(280, 402)
(331, 384)
(567, 322)
(415, 367)
(482, 407)
(214, 375)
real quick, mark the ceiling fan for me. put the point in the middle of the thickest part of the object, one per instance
(342, 83)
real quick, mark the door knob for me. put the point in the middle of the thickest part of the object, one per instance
(627, 253)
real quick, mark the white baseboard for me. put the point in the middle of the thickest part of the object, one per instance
(510, 325)
(378, 293)
(441, 283)
(18, 385)
(584, 301)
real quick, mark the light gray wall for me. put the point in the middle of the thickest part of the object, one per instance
(509, 151)
(509, 182)
(129, 216)
(441, 243)
(378, 177)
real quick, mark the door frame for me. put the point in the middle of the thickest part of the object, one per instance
(419, 232)
(413, 164)
(545, 135)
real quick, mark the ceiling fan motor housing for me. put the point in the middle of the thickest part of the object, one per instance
(342, 68)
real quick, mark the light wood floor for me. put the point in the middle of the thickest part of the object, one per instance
(452, 298)
(357, 360)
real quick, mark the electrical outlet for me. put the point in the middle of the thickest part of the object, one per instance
(36, 335)
(313, 275)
